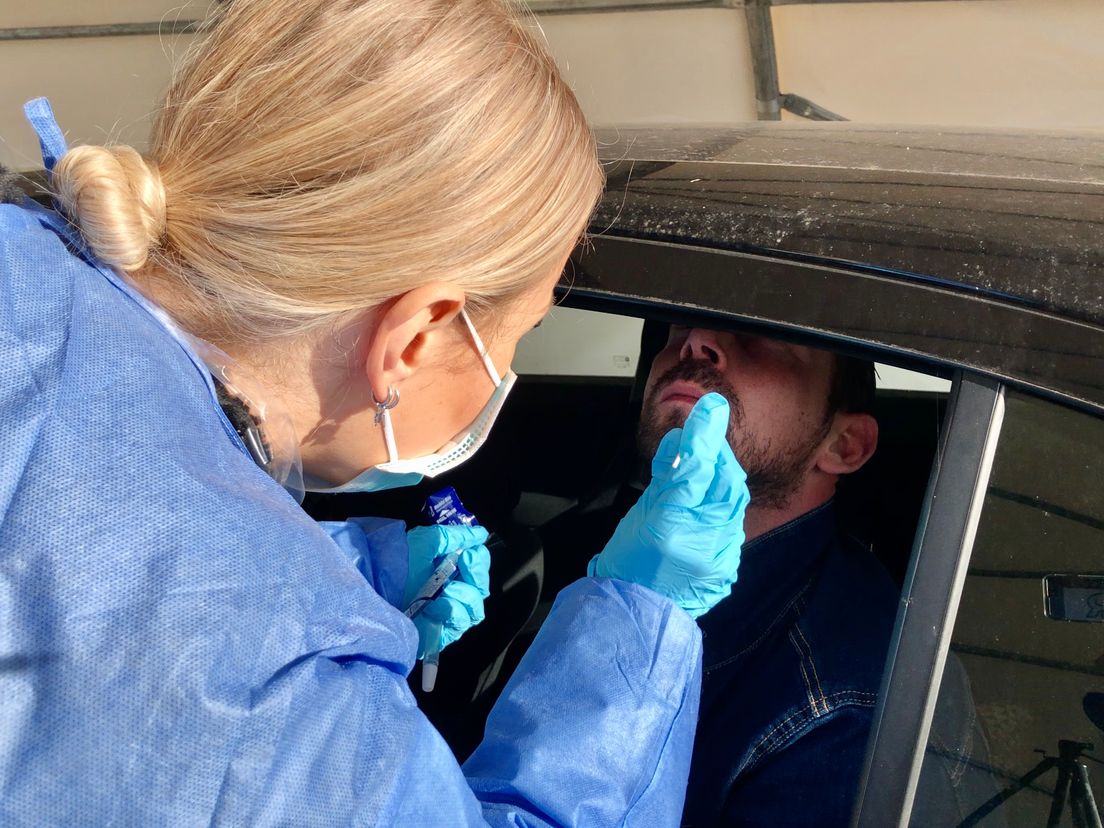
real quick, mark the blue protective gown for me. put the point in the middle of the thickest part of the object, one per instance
(181, 644)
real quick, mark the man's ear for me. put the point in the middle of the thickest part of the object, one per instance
(405, 330)
(849, 445)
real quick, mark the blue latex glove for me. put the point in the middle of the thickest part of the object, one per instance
(682, 538)
(460, 605)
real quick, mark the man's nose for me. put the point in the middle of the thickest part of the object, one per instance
(704, 344)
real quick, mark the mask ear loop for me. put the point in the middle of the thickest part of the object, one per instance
(483, 355)
(383, 417)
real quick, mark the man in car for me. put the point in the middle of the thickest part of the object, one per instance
(793, 658)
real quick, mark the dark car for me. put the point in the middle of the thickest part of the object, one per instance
(976, 257)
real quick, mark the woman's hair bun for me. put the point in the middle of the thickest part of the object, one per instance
(117, 200)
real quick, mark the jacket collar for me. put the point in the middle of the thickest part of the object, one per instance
(775, 571)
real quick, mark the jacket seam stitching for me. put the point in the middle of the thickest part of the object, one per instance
(774, 739)
(812, 664)
(805, 676)
(770, 628)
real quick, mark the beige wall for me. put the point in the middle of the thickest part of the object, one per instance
(631, 67)
(675, 66)
(981, 62)
(101, 88)
(17, 13)
(1033, 63)
(1008, 63)
(1025, 63)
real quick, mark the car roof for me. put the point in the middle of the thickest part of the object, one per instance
(938, 249)
(1014, 215)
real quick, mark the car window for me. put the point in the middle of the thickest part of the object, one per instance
(583, 360)
(574, 507)
(582, 343)
(1017, 729)
(579, 343)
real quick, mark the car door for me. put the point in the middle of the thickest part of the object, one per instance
(1017, 478)
(997, 668)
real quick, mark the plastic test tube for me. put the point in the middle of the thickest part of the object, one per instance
(432, 656)
(434, 585)
(443, 508)
(432, 588)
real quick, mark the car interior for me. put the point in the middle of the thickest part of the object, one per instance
(548, 484)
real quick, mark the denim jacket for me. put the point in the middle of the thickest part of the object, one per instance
(793, 660)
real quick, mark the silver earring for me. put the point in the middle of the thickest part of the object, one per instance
(389, 402)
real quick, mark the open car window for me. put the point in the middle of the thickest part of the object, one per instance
(573, 342)
(585, 370)
(880, 505)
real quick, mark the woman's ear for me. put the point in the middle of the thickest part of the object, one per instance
(849, 445)
(404, 331)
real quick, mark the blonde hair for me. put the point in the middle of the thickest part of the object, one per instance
(314, 159)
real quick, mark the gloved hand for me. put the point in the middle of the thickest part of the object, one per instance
(682, 538)
(460, 605)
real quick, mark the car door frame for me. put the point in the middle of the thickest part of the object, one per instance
(929, 601)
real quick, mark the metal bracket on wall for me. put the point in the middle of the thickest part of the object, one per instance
(157, 27)
(808, 109)
(769, 98)
(172, 27)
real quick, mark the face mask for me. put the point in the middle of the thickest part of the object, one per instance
(396, 472)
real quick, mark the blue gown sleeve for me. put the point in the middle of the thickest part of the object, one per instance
(595, 727)
(377, 548)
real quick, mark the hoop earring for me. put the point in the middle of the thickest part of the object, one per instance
(389, 402)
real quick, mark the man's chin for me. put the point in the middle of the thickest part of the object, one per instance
(651, 430)
(658, 419)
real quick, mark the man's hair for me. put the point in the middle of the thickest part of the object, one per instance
(852, 388)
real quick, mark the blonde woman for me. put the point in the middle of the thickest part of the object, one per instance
(350, 213)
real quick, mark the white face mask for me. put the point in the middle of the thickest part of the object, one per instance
(396, 472)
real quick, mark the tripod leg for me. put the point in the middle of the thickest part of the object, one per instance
(991, 805)
(1085, 814)
(1061, 791)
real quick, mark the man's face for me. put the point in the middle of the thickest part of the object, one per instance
(778, 397)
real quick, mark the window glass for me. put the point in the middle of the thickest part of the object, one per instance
(1021, 704)
(578, 343)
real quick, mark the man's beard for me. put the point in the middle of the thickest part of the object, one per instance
(774, 474)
